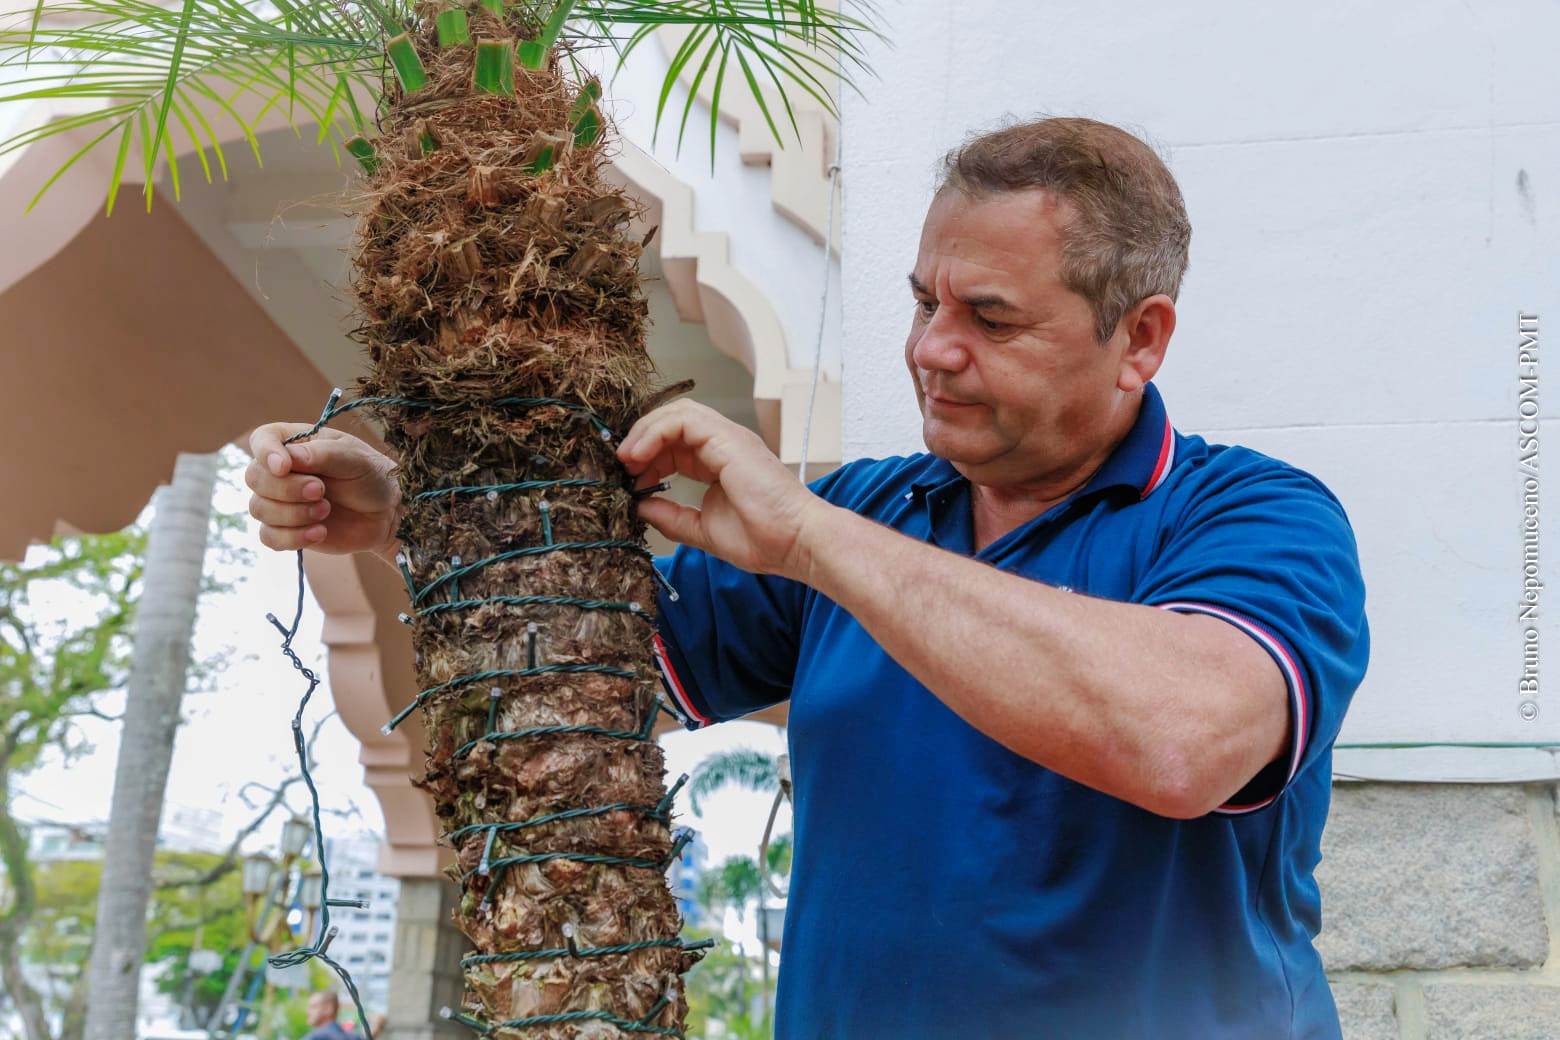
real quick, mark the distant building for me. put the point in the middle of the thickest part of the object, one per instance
(367, 937)
(684, 880)
(188, 829)
(59, 842)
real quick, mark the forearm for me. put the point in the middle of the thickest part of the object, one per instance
(1140, 703)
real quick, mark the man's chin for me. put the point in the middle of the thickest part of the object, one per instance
(956, 446)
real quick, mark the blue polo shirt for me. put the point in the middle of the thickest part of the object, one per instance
(944, 886)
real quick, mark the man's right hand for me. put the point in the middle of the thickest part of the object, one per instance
(331, 493)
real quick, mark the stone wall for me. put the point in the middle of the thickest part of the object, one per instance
(1441, 911)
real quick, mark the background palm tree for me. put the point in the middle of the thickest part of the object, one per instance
(766, 774)
(498, 298)
(745, 768)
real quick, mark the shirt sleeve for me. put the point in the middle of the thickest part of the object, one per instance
(1270, 551)
(727, 646)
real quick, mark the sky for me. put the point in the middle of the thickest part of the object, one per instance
(238, 730)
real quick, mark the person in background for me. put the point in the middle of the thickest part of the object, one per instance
(324, 1006)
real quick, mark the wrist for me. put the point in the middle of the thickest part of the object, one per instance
(819, 530)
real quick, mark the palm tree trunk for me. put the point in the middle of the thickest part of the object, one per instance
(165, 620)
(481, 276)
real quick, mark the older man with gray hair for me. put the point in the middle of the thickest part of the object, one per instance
(1063, 687)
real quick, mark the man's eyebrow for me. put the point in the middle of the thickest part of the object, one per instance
(990, 302)
(980, 301)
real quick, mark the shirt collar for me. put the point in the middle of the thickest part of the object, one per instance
(1141, 461)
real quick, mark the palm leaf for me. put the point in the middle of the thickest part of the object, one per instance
(107, 67)
(123, 64)
(740, 767)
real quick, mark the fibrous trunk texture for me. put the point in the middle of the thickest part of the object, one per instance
(479, 279)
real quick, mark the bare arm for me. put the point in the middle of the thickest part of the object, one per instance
(1170, 712)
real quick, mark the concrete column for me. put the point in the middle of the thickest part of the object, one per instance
(425, 973)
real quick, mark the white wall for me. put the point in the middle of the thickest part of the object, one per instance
(777, 256)
(1370, 201)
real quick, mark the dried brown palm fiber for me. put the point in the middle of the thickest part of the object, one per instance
(478, 279)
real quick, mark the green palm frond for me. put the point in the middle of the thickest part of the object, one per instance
(122, 69)
(135, 74)
(738, 767)
(781, 37)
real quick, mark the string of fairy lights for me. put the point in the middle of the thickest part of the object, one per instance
(424, 605)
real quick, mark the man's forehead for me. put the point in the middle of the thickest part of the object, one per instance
(1008, 240)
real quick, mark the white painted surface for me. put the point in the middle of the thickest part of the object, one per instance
(1371, 202)
(779, 257)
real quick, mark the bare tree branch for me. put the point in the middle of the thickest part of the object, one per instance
(277, 799)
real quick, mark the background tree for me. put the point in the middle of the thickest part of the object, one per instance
(498, 296)
(49, 678)
(744, 768)
(55, 671)
(718, 1004)
(187, 911)
(159, 665)
(761, 772)
(722, 992)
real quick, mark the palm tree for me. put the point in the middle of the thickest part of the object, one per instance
(747, 768)
(735, 884)
(498, 299)
(764, 773)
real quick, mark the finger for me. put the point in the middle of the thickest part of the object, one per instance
(338, 458)
(689, 442)
(285, 538)
(265, 444)
(678, 522)
(679, 419)
(294, 487)
(287, 514)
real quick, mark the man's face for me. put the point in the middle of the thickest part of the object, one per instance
(995, 330)
(322, 1009)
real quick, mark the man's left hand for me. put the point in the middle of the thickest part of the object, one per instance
(755, 515)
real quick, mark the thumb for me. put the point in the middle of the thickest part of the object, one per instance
(678, 522)
(328, 458)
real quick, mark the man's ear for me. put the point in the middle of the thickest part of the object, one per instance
(1147, 327)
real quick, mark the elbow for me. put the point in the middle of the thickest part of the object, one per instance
(1184, 791)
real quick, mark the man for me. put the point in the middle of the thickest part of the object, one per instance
(323, 1007)
(1063, 688)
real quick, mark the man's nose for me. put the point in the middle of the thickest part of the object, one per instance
(941, 344)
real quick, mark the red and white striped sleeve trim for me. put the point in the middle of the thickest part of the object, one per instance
(674, 686)
(1293, 677)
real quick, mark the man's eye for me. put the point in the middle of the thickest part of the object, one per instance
(989, 325)
(926, 308)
